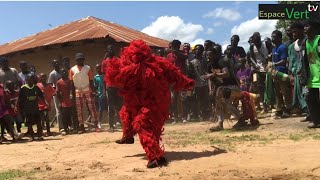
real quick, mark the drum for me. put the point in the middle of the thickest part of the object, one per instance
(280, 75)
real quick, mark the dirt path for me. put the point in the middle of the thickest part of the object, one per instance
(278, 149)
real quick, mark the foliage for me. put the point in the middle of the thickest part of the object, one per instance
(12, 174)
(282, 24)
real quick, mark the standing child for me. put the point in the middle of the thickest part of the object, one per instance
(63, 89)
(28, 103)
(11, 96)
(102, 106)
(44, 108)
(244, 75)
(5, 119)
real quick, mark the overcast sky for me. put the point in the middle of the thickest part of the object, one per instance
(191, 22)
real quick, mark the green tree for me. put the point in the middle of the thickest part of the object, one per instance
(282, 24)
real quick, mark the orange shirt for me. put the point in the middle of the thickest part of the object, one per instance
(48, 92)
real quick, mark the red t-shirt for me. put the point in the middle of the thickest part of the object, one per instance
(64, 88)
(12, 98)
(3, 107)
(48, 92)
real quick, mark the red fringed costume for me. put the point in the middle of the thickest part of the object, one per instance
(248, 107)
(144, 80)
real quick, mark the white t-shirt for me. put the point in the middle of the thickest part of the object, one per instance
(81, 78)
(54, 76)
(261, 56)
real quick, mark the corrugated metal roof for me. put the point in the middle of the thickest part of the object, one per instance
(86, 28)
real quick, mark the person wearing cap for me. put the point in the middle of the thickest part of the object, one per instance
(311, 62)
(81, 77)
(8, 73)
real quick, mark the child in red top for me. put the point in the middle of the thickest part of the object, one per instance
(44, 107)
(11, 96)
(5, 118)
(63, 90)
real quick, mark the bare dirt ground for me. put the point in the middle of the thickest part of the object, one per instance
(278, 149)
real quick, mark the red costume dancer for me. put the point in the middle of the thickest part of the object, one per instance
(144, 80)
(248, 101)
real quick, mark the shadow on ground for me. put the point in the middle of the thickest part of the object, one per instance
(185, 155)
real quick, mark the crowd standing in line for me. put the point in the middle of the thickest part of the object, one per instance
(284, 76)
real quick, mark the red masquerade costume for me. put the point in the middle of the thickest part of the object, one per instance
(144, 80)
(248, 107)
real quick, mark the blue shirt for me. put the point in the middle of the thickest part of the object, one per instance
(280, 52)
(100, 85)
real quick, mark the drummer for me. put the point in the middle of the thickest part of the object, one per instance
(282, 88)
(227, 91)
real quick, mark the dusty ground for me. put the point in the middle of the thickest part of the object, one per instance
(278, 149)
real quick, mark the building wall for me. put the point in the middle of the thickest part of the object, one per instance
(42, 57)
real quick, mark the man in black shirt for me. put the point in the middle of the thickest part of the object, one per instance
(225, 91)
(213, 66)
(237, 51)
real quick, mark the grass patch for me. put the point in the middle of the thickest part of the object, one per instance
(296, 137)
(183, 139)
(227, 131)
(228, 140)
(305, 135)
(162, 174)
(178, 133)
(316, 137)
(15, 173)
